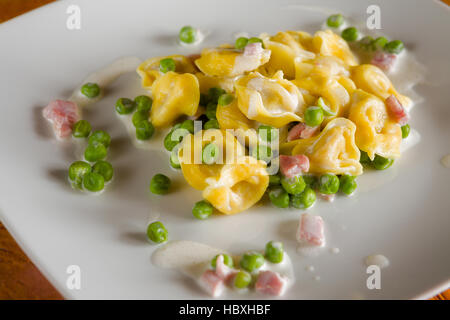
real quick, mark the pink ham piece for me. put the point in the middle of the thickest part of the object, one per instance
(63, 115)
(310, 230)
(384, 61)
(292, 166)
(253, 49)
(270, 282)
(397, 110)
(222, 270)
(301, 131)
(212, 283)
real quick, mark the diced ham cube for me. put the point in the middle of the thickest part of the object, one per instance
(222, 270)
(292, 166)
(301, 131)
(212, 283)
(270, 282)
(383, 60)
(253, 49)
(310, 230)
(397, 110)
(63, 115)
(327, 197)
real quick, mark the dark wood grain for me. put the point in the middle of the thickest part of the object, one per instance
(19, 278)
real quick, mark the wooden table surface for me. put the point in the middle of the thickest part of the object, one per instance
(19, 278)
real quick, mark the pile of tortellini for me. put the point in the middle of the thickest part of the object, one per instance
(274, 86)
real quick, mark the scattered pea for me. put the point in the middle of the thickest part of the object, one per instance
(279, 197)
(350, 34)
(294, 185)
(157, 232)
(169, 141)
(274, 180)
(125, 106)
(202, 210)
(188, 125)
(174, 160)
(144, 130)
(304, 200)
(314, 116)
(166, 65)
(81, 129)
(225, 99)
(139, 116)
(143, 103)
(328, 183)
(90, 90)
(274, 251)
(204, 100)
(95, 152)
(364, 158)
(227, 260)
(77, 170)
(394, 46)
(406, 129)
(211, 124)
(100, 136)
(255, 40)
(187, 34)
(160, 184)
(93, 182)
(104, 168)
(379, 43)
(214, 93)
(210, 153)
(381, 163)
(263, 153)
(335, 20)
(240, 43)
(367, 43)
(242, 280)
(252, 261)
(211, 110)
(267, 133)
(347, 184)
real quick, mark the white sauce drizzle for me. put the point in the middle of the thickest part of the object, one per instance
(378, 260)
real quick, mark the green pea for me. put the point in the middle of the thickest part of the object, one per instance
(174, 160)
(211, 124)
(166, 65)
(328, 183)
(279, 197)
(77, 170)
(406, 129)
(335, 20)
(325, 108)
(240, 43)
(263, 153)
(210, 153)
(364, 158)
(95, 152)
(242, 280)
(211, 110)
(93, 182)
(202, 210)
(251, 261)
(157, 232)
(267, 133)
(347, 184)
(274, 251)
(367, 43)
(225, 99)
(381, 163)
(90, 90)
(313, 116)
(81, 129)
(310, 180)
(204, 100)
(395, 46)
(143, 103)
(144, 130)
(169, 141)
(188, 125)
(379, 43)
(104, 168)
(139, 116)
(160, 184)
(227, 260)
(350, 34)
(187, 34)
(125, 106)
(214, 94)
(100, 136)
(255, 40)
(274, 180)
(294, 185)
(304, 200)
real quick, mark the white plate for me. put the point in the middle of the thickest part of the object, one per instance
(406, 218)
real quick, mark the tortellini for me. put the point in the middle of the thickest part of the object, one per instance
(207, 82)
(149, 69)
(174, 95)
(328, 43)
(226, 62)
(231, 117)
(238, 186)
(376, 133)
(372, 79)
(332, 151)
(273, 101)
